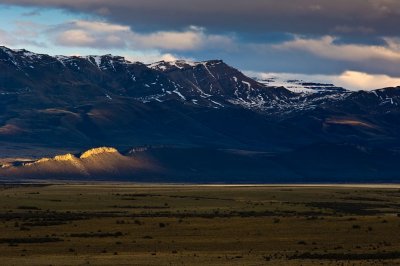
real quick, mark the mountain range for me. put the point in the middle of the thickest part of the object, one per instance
(187, 121)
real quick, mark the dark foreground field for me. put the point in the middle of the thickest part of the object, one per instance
(199, 225)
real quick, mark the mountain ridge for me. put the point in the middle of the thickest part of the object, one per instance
(77, 103)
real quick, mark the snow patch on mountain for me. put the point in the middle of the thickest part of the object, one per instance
(164, 66)
(299, 86)
(294, 84)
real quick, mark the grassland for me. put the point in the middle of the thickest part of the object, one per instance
(199, 225)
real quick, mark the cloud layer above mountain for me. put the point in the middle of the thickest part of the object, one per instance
(106, 35)
(351, 80)
(305, 17)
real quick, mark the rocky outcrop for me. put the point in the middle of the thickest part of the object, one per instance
(98, 151)
(97, 163)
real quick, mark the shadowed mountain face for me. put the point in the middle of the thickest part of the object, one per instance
(50, 104)
(313, 164)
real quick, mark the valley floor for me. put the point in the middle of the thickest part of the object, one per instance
(120, 224)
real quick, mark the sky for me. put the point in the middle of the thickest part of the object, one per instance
(352, 43)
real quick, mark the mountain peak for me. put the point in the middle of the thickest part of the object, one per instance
(66, 157)
(98, 151)
(167, 66)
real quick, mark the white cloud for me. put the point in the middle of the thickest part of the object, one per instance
(99, 26)
(188, 40)
(364, 81)
(94, 34)
(351, 80)
(81, 33)
(327, 48)
(76, 37)
(5, 38)
(151, 57)
(19, 38)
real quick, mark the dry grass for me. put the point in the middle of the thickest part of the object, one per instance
(198, 225)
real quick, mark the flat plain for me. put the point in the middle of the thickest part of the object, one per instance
(124, 224)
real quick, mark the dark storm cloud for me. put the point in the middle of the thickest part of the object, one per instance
(341, 17)
(326, 37)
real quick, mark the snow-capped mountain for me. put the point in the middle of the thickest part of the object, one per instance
(298, 86)
(80, 102)
(211, 84)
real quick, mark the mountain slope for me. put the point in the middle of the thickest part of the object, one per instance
(75, 103)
